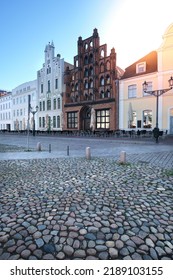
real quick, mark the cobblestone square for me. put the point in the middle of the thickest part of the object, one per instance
(73, 208)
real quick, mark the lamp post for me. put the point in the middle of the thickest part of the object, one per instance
(157, 93)
(33, 112)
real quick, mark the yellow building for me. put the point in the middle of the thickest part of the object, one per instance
(137, 109)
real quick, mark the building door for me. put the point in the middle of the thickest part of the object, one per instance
(171, 124)
(85, 118)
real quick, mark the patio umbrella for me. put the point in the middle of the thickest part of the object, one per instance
(93, 119)
(130, 114)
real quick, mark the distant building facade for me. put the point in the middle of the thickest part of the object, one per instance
(137, 109)
(20, 117)
(50, 87)
(5, 110)
(90, 100)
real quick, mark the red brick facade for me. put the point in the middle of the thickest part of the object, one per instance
(91, 84)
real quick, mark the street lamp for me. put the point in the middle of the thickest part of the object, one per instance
(33, 113)
(157, 93)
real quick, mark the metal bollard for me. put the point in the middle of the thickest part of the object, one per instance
(49, 148)
(68, 150)
(122, 157)
(88, 153)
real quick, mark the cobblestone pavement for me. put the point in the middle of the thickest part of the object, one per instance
(73, 208)
(54, 206)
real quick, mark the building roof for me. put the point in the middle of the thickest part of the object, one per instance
(151, 66)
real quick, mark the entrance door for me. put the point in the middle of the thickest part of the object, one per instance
(171, 124)
(85, 118)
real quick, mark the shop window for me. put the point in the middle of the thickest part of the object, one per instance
(103, 119)
(147, 119)
(72, 120)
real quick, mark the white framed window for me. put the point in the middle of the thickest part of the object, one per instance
(132, 89)
(140, 67)
(147, 118)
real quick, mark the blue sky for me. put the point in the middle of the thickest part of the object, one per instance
(133, 27)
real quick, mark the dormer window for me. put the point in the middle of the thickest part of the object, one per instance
(140, 67)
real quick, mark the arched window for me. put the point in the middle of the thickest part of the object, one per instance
(91, 58)
(102, 95)
(107, 79)
(54, 103)
(102, 82)
(86, 85)
(72, 87)
(48, 104)
(86, 72)
(102, 54)
(108, 65)
(102, 67)
(91, 83)
(91, 71)
(107, 94)
(86, 46)
(58, 121)
(86, 60)
(91, 44)
(76, 86)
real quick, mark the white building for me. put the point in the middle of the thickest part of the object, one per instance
(5, 110)
(20, 106)
(50, 89)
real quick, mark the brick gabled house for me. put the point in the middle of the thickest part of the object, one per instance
(90, 100)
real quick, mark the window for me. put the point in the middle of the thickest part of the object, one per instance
(76, 86)
(140, 67)
(86, 85)
(56, 83)
(103, 119)
(39, 121)
(91, 71)
(86, 60)
(108, 79)
(132, 91)
(43, 120)
(54, 122)
(102, 67)
(91, 58)
(48, 86)
(41, 88)
(133, 120)
(102, 54)
(91, 83)
(86, 72)
(147, 119)
(108, 65)
(72, 120)
(59, 103)
(40, 106)
(54, 104)
(58, 121)
(48, 69)
(43, 105)
(48, 104)
(102, 82)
